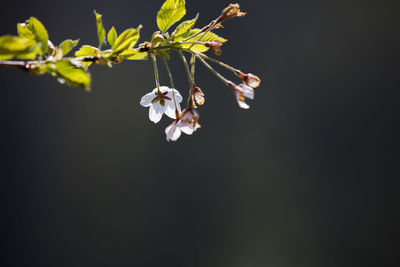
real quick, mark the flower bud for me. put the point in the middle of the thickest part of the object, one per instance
(215, 46)
(232, 11)
(198, 95)
(250, 79)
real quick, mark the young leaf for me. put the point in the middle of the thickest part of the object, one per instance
(72, 74)
(132, 54)
(126, 40)
(34, 29)
(67, 45)
(112, 36)
(171, 12)
(184, 27)
(14, 46)
(24, 31)
(101, 32)
(138, 56)
(87, 51)
(210, 36)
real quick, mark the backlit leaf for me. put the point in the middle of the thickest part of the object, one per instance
(132, 54)
(184, 27)
(101, 32)
(112, 36)
(67, 45)
(208, 37)
(14, 46)
(171, 12)
(87, 51)
(126, 40)
(72, 74)
(138, 56)
(34, 29)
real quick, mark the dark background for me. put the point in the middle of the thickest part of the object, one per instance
(307, 177)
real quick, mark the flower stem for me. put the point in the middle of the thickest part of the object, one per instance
(203, 31)
(236, 71)
(222, 78)
(193, 65)
(190, 78)
(156, 73)
(171, 81)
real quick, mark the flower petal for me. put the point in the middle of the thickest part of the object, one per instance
(246, 90)
(147, 98)
(241, 100)
(178, 96)
(188, 128)
(243, 104)
(155, 112)
(170, 109)
(163, 89)
(172, 132)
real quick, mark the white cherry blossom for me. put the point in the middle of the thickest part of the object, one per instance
(160, 103)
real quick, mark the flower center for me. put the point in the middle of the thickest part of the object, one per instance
(161, 96)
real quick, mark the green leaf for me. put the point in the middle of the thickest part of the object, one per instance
(112, 36)
(171, 12)
(132, 54)
(72, 74)
(138, 56)
(184, 27)
(86, 51)
(32, 54)
(33, 29)
(210, 36)
(126, 40)
(24, 31)
(101, 32)
(14, 46)
(67, 45)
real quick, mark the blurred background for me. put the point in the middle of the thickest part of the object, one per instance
(309, 176)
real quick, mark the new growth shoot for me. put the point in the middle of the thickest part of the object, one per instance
(32, 51)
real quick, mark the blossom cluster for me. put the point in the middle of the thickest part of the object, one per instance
(32, 43)
(166, 100)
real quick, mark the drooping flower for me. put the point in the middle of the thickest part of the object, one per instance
(162, 102)
(242, 91)
(186, 123)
